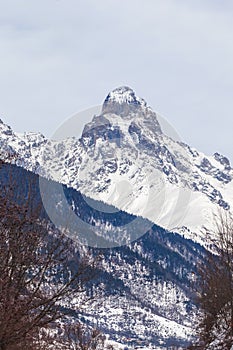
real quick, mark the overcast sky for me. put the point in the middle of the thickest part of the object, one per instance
(59, 57)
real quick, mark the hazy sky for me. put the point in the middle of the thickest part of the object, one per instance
(62, 56)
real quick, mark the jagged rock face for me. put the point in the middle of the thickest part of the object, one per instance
(123, 101)
(123, 158)
(223, 160)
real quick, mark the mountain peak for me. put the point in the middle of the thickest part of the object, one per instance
(123, 98)
(124, 94)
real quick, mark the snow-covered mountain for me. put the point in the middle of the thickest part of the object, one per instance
(125, 159)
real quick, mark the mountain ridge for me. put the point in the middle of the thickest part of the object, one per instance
(123, 158)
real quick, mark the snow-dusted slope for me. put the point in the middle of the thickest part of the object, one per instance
(124, 158)
(143, 290)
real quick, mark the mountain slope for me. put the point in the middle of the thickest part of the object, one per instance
(142, 291)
